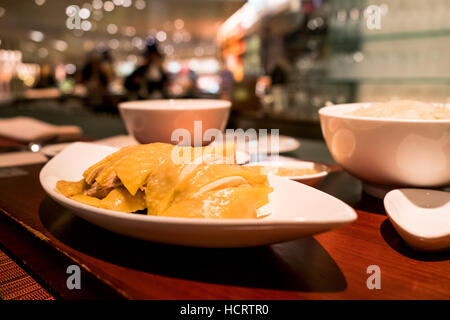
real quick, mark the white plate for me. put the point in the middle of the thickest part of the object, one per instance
(264, 146)
(119, 141)
(297, 210)
(52, 150)
(299, 164)
(285, 144)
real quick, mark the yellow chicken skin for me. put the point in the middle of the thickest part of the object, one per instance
(69, 188)
(172, 181)
(118, 199)
(239, 202)
(217, 176)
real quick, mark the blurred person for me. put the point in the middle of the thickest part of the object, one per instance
(96, 75)
(186, 84)
(226, 82)
(46, 78)
(279, 79)
(262, 91)
(279, 74)
(148, 81)
(192, 91)
(106, 66)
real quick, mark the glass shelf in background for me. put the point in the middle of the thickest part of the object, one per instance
(405, 81)
(359, 38)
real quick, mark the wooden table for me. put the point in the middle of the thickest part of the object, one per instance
(47, 238)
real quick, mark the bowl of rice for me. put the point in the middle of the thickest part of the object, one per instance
(390, 144)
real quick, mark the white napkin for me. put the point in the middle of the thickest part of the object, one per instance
(28, 129)
(22, 158)
(120, 141)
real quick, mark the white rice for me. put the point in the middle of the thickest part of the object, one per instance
(404, 109)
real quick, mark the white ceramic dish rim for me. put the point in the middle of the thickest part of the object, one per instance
(300, 164)
(52, 150)
(339, 111)
(242, 223)
(426, 237)
(176, 104)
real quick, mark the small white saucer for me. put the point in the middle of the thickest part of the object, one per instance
(421, 217)
(280, 144)
(297, 164)
(379, 191)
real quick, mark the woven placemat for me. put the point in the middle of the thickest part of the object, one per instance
(16, 284)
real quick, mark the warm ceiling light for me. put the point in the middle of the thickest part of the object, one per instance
(84, 13)
(97, 4)
(111, 28)
(126, 3)
(114, 44)
(161, 36)
(118, 2)
(86, 25)
(138, 43)
(36, 36)
(42, 52)
(71, 11)
(60, 45)
(179, 24)
(70, 68)
(109, 6)
(39, 2)
(140, 4)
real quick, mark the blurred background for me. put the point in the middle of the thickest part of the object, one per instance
(278, 61)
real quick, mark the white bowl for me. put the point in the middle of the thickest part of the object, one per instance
(156, 120)
(297, 210)
(388, 152)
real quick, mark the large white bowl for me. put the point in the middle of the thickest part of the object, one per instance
(388, 152)
(156, 120)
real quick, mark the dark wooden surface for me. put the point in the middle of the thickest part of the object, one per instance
(47, 238)
(7, 143)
